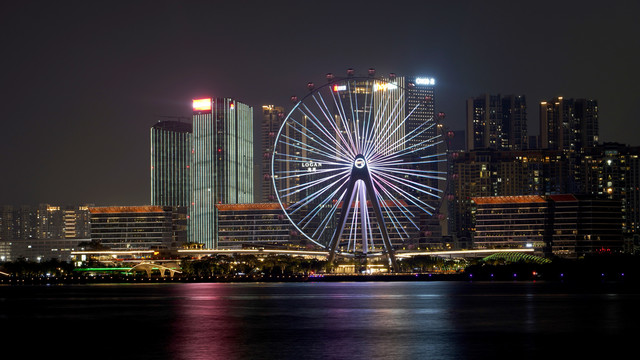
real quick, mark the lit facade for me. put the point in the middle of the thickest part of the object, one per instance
(222, 166)
(139, 227)
(39, 250)
(262, 225)
(511, 222)
(171, 146)
(420, 90)
(563, 225)
(568, 124)
(612, 171)
(44, 221)
(482, 173)
(497, 122)
(272, 118)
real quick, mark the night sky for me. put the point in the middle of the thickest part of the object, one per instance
(83, 81)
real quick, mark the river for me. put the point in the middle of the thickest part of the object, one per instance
(327, 320)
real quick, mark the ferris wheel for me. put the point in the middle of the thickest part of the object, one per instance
(359, 163)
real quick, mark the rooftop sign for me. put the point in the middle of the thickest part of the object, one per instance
(202, 104)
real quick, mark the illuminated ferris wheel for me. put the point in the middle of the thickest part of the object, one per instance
(359, 164)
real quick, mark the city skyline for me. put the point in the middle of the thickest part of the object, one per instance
(86, 82)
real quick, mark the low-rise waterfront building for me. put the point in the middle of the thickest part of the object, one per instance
(139, 227)
(562, 225)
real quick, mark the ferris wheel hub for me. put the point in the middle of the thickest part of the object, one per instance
(360, 162)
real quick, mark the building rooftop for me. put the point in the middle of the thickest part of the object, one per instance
(176, 126)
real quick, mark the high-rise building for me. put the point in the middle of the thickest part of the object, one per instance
(514, 122)
(44, 221)
(612, 171)
(586, 113)
(222, 165)
(497, 122)
(420, 91)
(171, 147)
(568, 124)
(272, 118)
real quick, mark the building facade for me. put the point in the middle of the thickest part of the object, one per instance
(482, 173)
(139, 227)
(612, 171)
(261, 225)
(512, 222)
(497, 122)
(564, 225)
(272, 118)
(568, 124)
(44, 221)
(222, 167)
(171, 147)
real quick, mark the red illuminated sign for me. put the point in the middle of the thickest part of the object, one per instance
(202, 104)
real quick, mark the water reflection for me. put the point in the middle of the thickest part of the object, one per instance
(286, 321)
(403, 320)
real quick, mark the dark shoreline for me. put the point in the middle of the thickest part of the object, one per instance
(469, 277)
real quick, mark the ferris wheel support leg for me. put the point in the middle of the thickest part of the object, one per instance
(346, 206)
(381, 224)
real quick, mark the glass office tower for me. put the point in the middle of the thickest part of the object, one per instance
(170, 163)
(222, 165)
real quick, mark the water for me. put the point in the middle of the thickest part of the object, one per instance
(362, 320)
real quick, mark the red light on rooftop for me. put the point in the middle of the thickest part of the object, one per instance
(202, 104)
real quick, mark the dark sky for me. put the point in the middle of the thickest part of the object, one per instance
(83, 81)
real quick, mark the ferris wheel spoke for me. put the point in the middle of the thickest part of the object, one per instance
(379, 125)
(408, 138)
(332, 210)
(408, 214)
(280, 157)
(423, 145)
(394, 200)
(367, 126)
(330, 166)
(345, 123)
(426, 189)
(408, 196)
(296, 174)
(306, 220)
(395, 223)
(317, 194)
(390, 134)
(390, 130)
(308, 185)
(338, 140)
(310, 149)
(371, 125)
(415, 172)
(332, 121)
(320, 139)
(388, 200)
(323, 136)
